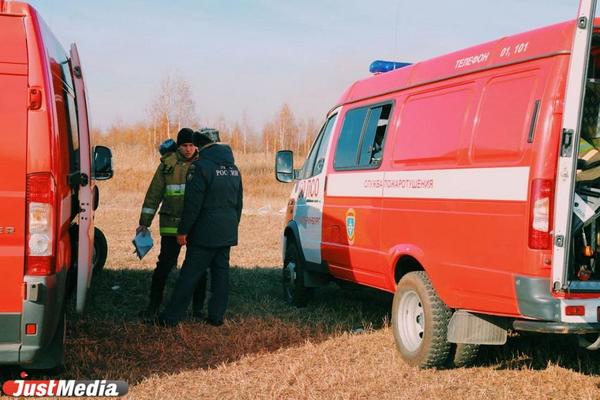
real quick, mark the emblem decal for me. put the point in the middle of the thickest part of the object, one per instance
(351, 225)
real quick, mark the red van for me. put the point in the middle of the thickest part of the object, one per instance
(47, 190)
(453, 184)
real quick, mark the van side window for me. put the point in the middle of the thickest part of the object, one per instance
(372, 146)
(504, 118)
(431, 126)
(62, 83)
(67, 118)
(347, 145)
(320, 159)
(361, 141)
(73, 132)
(309, 164)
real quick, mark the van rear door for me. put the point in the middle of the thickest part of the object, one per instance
(565, 174)
(13, 165)
(86, 212)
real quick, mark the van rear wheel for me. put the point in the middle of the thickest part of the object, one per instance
(294, 291)
(420, 322)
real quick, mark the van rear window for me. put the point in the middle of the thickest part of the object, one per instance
(361, 140)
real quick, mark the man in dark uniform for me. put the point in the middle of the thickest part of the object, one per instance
(209, 227)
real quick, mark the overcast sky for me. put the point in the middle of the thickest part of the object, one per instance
(248, 57)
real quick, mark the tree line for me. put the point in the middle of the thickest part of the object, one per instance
(174, 107)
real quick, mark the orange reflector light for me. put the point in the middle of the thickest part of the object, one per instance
(575, 310)
(587, 251)
(31, 329)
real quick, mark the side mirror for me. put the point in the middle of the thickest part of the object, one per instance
(284, 166)
(102, 163)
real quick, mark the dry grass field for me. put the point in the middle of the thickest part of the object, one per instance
(339, 347)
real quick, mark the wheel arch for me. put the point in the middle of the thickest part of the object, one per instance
(405, 258)
(291, 233)
(404, 265)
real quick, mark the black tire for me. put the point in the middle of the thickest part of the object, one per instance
(463, 355)
(588, 341)
(294, 291)
(100, 250)
(52, 360)
(420, 322)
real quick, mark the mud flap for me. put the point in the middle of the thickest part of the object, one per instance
(468, 328)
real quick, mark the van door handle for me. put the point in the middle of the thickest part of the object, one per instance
(567, 142)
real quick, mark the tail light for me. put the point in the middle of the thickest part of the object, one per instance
(41, 197)
(542, 206)
(575, 310)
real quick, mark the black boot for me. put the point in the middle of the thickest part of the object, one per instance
(198, 300)
(157, 288)
(150, 314)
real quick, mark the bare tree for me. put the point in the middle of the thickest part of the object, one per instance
(172, 108)
(236, 136)
(269, 137)
(246, 128)
(184, 106)
(281, 132)
(286, 127)
(223, 127)
(311, 128)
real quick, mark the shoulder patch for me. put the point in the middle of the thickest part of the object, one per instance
(190, 173)
(168, 161)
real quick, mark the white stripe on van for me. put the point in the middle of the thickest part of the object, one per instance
(507, 183)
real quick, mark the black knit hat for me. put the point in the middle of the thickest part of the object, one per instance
(185, 135)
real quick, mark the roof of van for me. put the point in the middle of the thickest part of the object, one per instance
(538, 43)
(16, 7)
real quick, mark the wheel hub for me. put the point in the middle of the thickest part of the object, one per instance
(412, 321)
(291, 269)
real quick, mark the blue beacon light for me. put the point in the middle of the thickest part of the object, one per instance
(380, 66)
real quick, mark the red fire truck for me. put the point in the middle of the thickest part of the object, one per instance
(453, 183)
(47, 190)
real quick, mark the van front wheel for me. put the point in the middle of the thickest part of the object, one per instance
(420, 322)
(100, 250)
(294, 291)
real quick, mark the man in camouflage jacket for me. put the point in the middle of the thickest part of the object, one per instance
(167, 189)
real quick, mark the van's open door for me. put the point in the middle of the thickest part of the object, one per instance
(571, 124)
(86, 212)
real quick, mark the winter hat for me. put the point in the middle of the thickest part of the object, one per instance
(211, 133)
(201, 140)
(185, 135)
